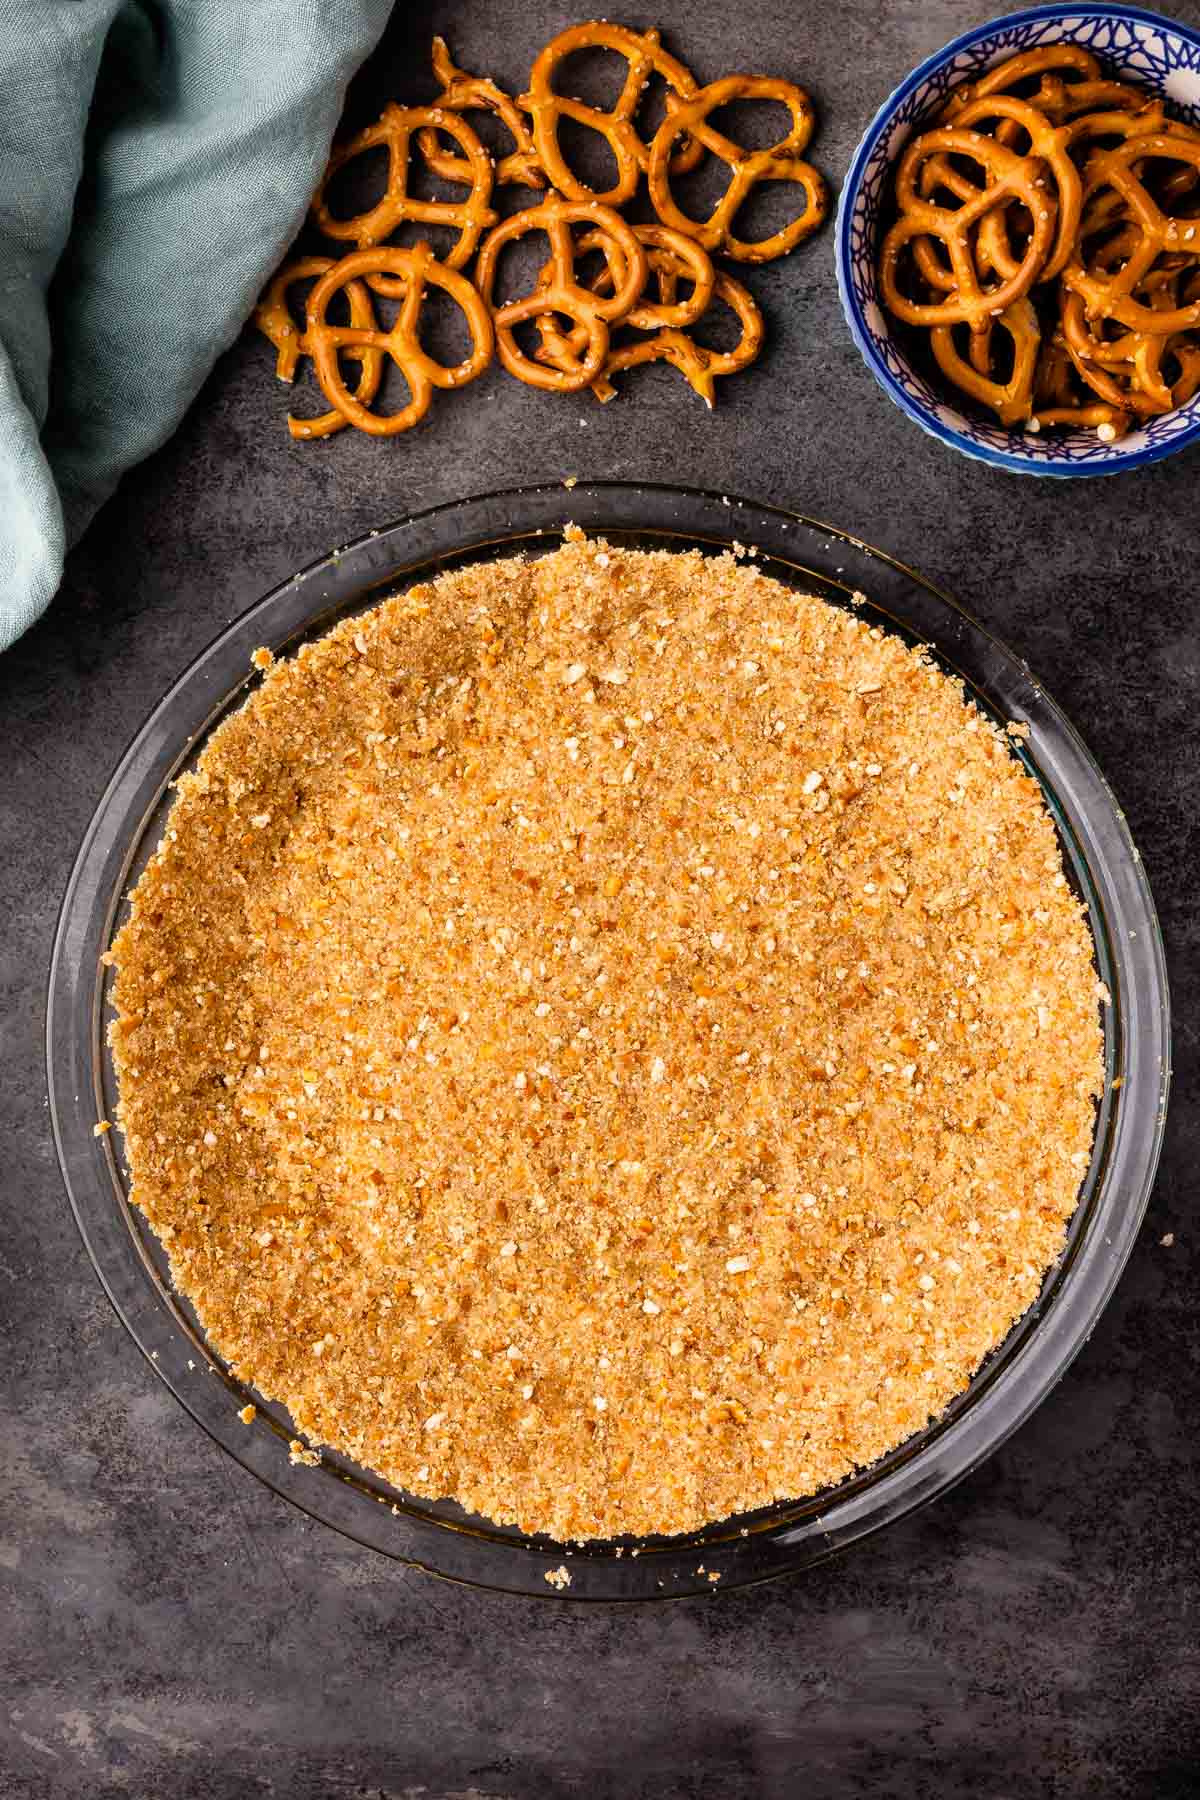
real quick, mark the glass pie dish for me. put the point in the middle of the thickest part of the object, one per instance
(1098, 853)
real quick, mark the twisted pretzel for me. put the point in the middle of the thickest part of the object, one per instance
(1005, 76)
(646, 57)
(273, 318)
(699, 366)
(561, 292)
(1051, 143)
(408, 272)
(1127, 371)
(1012, 400)
(394, 129)
(779, 162)
(478, 93)
(671, 257)
(1155, 233)
(689, 259)
(993, 246)
(1011, 178)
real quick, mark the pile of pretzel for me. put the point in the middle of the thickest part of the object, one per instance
(1048, 237)
(657, 279)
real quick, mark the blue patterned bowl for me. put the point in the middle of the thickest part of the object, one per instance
(1158, 54)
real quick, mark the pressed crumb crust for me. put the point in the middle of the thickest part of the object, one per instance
(607, 1039)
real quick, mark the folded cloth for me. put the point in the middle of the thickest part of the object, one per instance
(156, 159)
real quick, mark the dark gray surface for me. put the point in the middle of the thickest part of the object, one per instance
(171, 1631)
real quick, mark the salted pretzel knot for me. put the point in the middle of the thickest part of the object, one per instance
(274, 319)
(646, 57)
(1011, 400)
(1010, 178)
(1045, 61)
(478, 93)
(561, 293)
(687, 259)
(1112, 295)
(394, 130)
(671, 257)
(1051, 143)
(779, 162)
(699, 366)
(409, 273)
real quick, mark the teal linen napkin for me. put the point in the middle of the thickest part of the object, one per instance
(156, 159)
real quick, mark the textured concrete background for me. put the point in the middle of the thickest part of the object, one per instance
(171, 1631)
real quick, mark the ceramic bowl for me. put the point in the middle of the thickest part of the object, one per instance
(1156, 53)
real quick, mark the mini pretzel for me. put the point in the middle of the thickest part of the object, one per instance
(1005, 76)
(779, 162)
(1012, 400)
(1137, 356)
(646, 57)
(1051, 143)
(273, 318)
(672, 257)
(690, 260)
(562, 293)
(699, 366)
(994, 251)
(1011, 178)
(409, 272)
(1112, 295)
(394, 129)
(477, 93)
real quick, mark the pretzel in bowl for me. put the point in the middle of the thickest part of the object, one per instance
(1122, 342)
(561, 292)
(394, 131)
(403, 274)
(778, 162)
(273, 317)
(645, 57)
(1113, 294)
(1011, 178)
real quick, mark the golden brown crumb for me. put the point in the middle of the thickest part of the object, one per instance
(101, 1126)
(248, 1414)
(300, 1453)
(559, 1578)
(607, 1039)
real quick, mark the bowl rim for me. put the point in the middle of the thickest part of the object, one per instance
(1060, 467)
(1009, 1385)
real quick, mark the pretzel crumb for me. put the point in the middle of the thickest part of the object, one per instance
(559, 1578)
(610, 1156)
(248, 1414)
